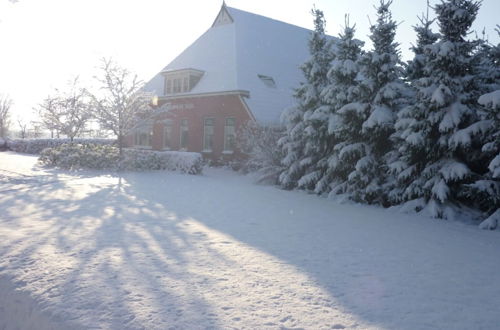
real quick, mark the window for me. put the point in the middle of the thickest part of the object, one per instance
(169, 86)
(268, 81)
(167, 135)
(208, 135)
(181, 81)
(177, 85)
(229, 135)
(144, 136)
(184, 134)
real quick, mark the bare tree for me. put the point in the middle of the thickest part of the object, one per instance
(23, 128)
(35, 131)
(5, 104)
(120, 103)
(46, 106)
(68, 112)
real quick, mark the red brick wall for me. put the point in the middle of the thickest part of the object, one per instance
(195, 110)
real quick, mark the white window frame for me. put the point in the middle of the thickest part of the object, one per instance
(167, 128)
(205, 147)
(227, 150)
(183, 128)
(144, 130)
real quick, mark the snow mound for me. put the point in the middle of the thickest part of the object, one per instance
(491, 223)
(491, 99)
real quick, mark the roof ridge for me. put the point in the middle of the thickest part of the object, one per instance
(264, 17)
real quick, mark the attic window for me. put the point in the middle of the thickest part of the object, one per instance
(181, 81)
(268, 81)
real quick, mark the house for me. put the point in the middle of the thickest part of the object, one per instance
(244, 68)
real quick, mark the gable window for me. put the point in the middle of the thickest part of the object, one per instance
(229, 135)
(167, 135)
(144, 136)
(208, 135)
(184, 134)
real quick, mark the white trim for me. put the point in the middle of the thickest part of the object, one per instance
(181, 71)
(204, 133)
(224, 146)
(188, 95)
(249, 112)
(181, 148)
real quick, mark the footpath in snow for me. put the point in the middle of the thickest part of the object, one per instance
(162, 250)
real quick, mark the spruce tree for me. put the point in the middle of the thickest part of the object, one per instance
(425, 37)
(486, 190)
(442, 130)
(411, 115)
(303, 143)
(368, 123)
(342, 89)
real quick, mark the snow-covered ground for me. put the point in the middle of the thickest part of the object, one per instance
(163, 250)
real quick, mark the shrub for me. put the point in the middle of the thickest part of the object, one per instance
(35, 146)
(264, 155)
(92, 156)
(76, 156)
(185, 162)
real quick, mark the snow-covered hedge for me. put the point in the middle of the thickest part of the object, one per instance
(75, 156)
(92, 156)
(35, 146)
(186, 162)
(3, 144)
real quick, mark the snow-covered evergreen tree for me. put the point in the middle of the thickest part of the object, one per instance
(404, 168)
(486, 190)
(442, 130)
(487, 60)
(367, 124)
(305, 128)
(342, 89)
(425, 37)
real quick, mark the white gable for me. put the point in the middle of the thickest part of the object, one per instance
(237, 54)
(223, 17)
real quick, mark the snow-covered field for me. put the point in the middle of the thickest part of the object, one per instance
(162, 250)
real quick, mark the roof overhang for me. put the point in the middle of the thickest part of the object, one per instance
(242, 93)
(186, 70)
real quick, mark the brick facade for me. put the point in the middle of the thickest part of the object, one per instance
(195, 109)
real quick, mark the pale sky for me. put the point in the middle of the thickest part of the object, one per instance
(46, 43)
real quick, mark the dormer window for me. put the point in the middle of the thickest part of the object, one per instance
(268, 81)
(181, 81)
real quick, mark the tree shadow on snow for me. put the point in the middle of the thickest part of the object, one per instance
(387, 269)
(137, 252)
(100, 256)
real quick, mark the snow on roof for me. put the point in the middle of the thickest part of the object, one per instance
(235, 55)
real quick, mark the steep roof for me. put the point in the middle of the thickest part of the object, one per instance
(245, 51)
